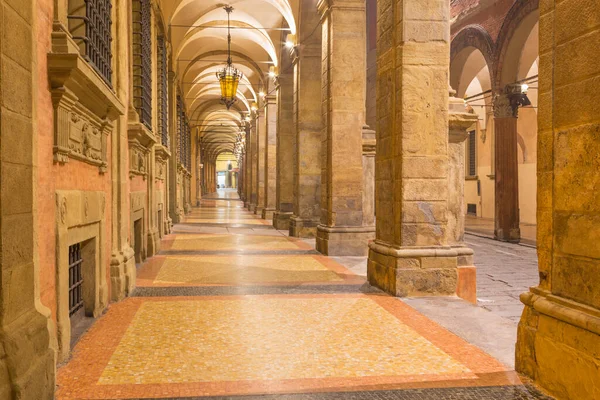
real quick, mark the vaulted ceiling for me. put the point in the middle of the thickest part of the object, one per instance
(198, 30)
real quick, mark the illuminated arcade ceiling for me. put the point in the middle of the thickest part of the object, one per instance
(198, 31)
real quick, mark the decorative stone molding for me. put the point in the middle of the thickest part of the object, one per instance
(161, 157)
(80, 218)
(141, 141)
(85, 107)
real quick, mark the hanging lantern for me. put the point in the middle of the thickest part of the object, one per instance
(229, 76)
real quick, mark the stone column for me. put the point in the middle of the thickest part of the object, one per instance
(284, 203)
(253, 160)
(558, 339)
(507, 172)
(460, 121)
(261, 130)
(341, 231)
(368, 158)
(410, 255)
(307, 122)
(270, 157)
(247, 169)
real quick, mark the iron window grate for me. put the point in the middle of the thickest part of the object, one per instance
(142, 61)
(91, 25)
(163, 94)
(472, 154)
(75, 279)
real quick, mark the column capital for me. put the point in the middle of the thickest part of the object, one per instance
(506, 104)
(325, 6)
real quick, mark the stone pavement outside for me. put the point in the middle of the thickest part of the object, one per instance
(238, 313)
(485, 227)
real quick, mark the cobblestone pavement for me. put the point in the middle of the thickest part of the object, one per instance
(504, 271)
(481, 393)
(231, 311)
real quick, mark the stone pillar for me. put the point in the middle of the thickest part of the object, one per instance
(506, 171)
(270, 157)
(307, 122)
(410, 255)
(261, 144)
(284, 203)
(247, 169)
(253, 160)
(341, 230)
(368, 161)
(27, 361)
(558, 339)
(460, 121)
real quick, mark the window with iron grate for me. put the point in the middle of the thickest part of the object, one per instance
(90, 25)
(472, 154)
(163, 94)
(142, 60)
(75, 279)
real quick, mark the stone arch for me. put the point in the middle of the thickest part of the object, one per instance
(519, 22)
(474, 36)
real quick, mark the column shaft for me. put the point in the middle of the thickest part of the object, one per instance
(270, 157)
(261, 129)
(410, 255)
(507, 172)
(308, 123)
(284, 203)
(343, 107)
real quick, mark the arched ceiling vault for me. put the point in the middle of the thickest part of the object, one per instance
(198, 33)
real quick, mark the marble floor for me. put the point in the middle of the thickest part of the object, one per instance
(233, 308)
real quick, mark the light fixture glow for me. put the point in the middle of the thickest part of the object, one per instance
(524, 88)
(261, 94)
(289, 44)
(272, 74)
(229, 76)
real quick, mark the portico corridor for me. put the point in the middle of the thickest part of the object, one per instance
(232, 307)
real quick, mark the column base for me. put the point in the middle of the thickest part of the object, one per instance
(512, 235)
(555, 332)
(153, 243)
(415, 271)
(27, 366)
(344, 241)
(251, 207)
(303, 228)
(258, 210)
(122, 274)
(281, 220)
(267, 213)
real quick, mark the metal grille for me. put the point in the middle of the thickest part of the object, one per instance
(472, 155)
(142, 61)
(163, 95)
(94, 37)
(75, 279)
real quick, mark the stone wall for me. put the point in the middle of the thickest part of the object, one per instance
(560, 325)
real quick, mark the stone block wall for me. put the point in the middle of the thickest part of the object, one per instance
(560, 325)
